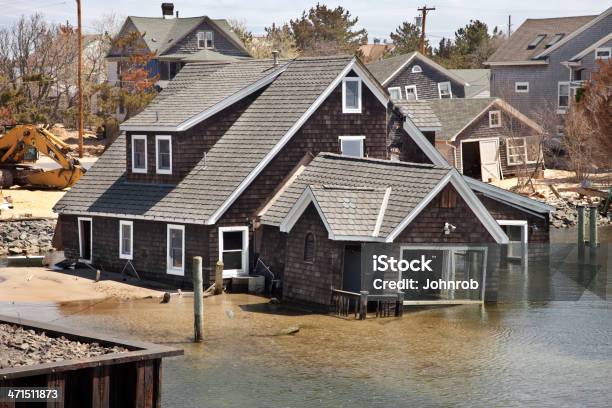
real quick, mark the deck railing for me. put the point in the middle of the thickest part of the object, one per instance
(345, 303)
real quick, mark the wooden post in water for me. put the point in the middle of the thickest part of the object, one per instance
(219, 277)
(593, 226)
(363, 304)
(580, 209)
(197, 298)
(399, 307)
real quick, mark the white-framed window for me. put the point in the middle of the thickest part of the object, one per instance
(175, 252)
(206, 39)
(234, 250)
(85, 227)
(351, 95)
(352, 146)
(126, 243)
(520, 151)
(444, 90)
(416, 69)
(139, 153)
(495, 119)
(603, 53)
(521, 87)
(563, 94)
(163, 154)
(395, 92)
(517, 232)
(411, 93)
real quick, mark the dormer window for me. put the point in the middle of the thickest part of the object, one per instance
(139, 153)
(536, 41)
(351, 95)
(417, 69)
(206, 40)
(555, 39)
(444, 90)
(411, 93)
(163, 154)
(494, 119)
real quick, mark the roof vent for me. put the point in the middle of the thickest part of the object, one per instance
(167, 9)
(275, 57)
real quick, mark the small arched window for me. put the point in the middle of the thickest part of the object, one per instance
(417, 69)
(309, 247)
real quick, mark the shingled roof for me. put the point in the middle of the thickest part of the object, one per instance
(248, 142)
(364, 182)
(516, 48)
(420, 112)
(199, 87)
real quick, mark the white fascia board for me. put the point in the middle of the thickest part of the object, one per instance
(468, 196)
(430, 151)
(130, 217)
(381, 212)
(216, 108)
(353, 65)
(590, 48)
(528, 62)
(508, 196)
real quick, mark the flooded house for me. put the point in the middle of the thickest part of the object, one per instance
(200, 171)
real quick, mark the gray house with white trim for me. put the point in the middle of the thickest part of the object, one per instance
(545, 61)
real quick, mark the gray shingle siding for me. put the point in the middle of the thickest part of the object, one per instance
(588, 63)
(222, 44)
(543, 79)
(426, 82)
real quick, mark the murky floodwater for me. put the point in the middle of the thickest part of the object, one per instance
(522, 352)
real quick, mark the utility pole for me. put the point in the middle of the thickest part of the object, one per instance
(509, 26)
(424, 10)
(80, 77)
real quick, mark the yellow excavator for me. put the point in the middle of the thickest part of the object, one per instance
(20, 148)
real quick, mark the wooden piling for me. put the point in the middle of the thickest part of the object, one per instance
(580, 209)
(197, 298)
(593, 227)
(399, 307)
(363, 304)
(219, 277)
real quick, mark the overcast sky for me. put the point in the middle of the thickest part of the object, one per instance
(379, 17)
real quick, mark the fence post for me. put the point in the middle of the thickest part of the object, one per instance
(363, 304)
(197, 298)
(219, 277)
(580, 209)
(399, 306)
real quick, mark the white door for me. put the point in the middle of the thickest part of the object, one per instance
(489, 163)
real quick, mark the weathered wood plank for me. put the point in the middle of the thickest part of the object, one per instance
(57, 380)
(100, 387)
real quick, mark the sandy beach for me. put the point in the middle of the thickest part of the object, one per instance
(35, 284)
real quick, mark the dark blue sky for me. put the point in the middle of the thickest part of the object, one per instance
(379, 17)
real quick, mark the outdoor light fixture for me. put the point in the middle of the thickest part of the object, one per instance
(448, 228)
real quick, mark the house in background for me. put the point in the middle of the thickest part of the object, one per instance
(414, 76)
(486, 139)
(375, 52)
(175, 41)
(530, 70)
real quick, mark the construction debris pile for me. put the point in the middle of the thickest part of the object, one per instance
(21, 347)
(26, 237)
(566, 215)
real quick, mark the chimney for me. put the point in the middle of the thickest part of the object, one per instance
(167, 9)
(275, 58)
(177, 14)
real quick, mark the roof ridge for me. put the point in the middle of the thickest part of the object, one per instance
(380, 161)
